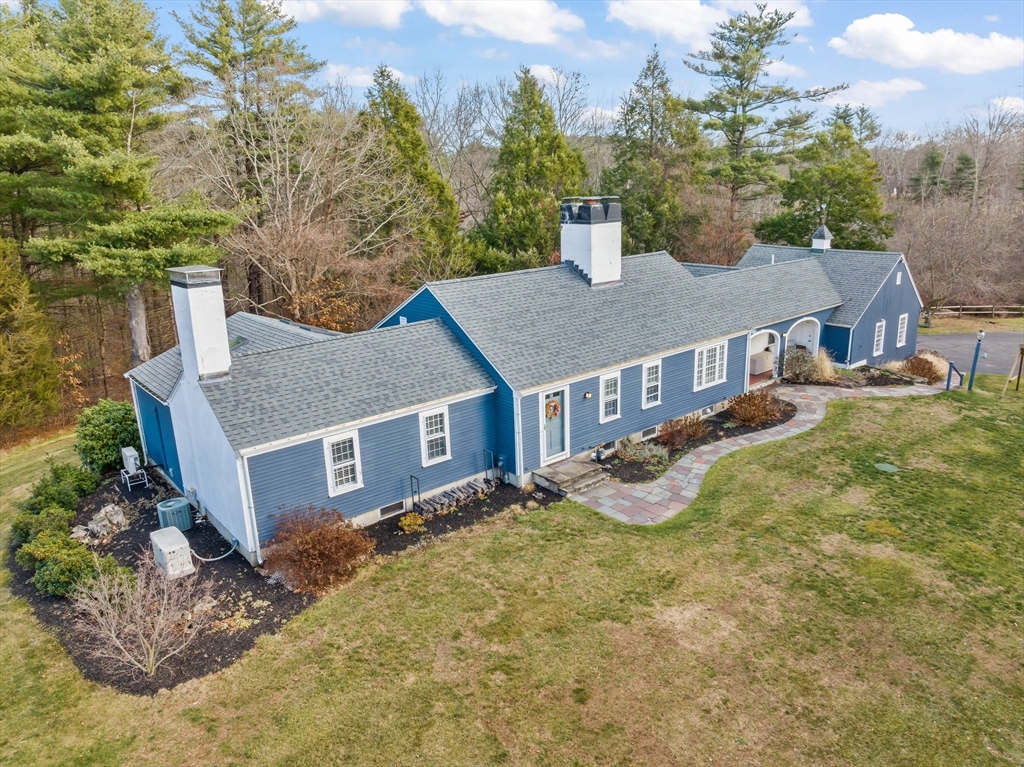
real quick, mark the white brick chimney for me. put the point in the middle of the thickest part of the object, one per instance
(199, 317)
(592, 237)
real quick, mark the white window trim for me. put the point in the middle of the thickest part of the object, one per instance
(332, 489)
(723, 346)
(899, 277)
(447, 436)
(901, 330)
(644, 404)
(617, 375)
(879, 339)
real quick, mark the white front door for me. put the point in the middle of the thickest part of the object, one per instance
(553, 441)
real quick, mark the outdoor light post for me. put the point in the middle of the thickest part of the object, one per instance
(977, 353)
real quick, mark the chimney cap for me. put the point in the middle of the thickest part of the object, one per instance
(190, 276)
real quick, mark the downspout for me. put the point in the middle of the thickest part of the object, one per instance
(517, 426)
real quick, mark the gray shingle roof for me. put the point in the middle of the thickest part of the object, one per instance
(856, 274)
(303, 389)
(706, 270)
(247, 333)
(544, 325)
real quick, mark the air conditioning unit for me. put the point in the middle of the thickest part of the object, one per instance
(171, 552)
(130, 459)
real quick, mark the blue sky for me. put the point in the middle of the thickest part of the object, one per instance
(916, 64)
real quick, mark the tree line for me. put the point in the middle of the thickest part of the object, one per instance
(120, 157)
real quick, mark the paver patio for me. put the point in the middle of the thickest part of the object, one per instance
(666, 496)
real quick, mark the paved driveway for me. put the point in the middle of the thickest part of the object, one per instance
(1001, 349)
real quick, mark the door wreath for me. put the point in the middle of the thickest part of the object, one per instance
(552, 408)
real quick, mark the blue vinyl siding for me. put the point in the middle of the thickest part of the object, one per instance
(677, 399)
(837, 341)
(158, 433)
(425, 306)
(296, 476)
(892, 301)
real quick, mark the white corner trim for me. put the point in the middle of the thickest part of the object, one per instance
(617, 375)
(332, 489)
(424, 414)
(138, 422)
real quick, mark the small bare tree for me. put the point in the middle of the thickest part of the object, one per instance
(137, 625)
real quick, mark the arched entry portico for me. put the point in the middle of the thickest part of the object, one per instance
(804, 334)
(765, 346)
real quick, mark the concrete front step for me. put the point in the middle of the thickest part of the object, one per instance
(570, 476)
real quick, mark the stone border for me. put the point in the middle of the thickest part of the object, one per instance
(662, 499)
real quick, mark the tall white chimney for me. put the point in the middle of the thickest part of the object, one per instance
(199, 317)
(592, 237)
(821, 240)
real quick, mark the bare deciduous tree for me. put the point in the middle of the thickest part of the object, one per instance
(138, 625)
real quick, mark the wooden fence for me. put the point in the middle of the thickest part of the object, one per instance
(978, 311)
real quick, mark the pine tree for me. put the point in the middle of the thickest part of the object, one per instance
(965, 176)
(534, 169)
(836, 184)
(753, 142)
(861, 121)
(658, 150)
(929, 182)
(391, 111)
(29, 384)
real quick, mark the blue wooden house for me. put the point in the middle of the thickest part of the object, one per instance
(252, 418)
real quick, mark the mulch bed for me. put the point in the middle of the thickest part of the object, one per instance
(865, 376)
(249, 604)
(636, 473)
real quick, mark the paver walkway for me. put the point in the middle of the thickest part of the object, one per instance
(666, 496)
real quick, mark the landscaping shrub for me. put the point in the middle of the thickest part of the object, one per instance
(63, 486)
(102, 431)
(315, 549)
(923, 367)
(641, 452)
(799, 365)
(677, 433)
(822, 367)
(60, 563)
(755, 408)
(137, 622)
(412, 523)
(28, 525)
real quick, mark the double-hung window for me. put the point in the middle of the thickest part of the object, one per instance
(435, 445)
(879, 337)
(652, 384)
(710, 366)
(610, 387)
(901, 330)
(343, 469)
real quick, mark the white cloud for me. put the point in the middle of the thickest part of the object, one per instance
(360, 77)
(11, 5)
(1013, 104)
(992, 18)
(691, 21)
(782, 69)
(890, 38)
(524, 21)
(876, 93)
(492, 53)
(353, 13)
(546, 74)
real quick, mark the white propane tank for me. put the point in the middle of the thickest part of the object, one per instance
(171, 552)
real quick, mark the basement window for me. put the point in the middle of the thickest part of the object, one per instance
(610, 386)
(343, 470)
(879, 337)
(434, 445)
(395, 508)
(650, 433)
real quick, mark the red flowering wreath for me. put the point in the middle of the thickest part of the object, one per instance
(552, 409)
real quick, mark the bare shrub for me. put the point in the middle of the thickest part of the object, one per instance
(641, 452)
(676, 433)
(316, 549)
(822, 367)
(799, 365)
(755, 408)
(921, 366)
(137, 623)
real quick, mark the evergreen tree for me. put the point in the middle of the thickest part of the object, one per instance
(29, 384)
(929, 181)
(861, 121)
(658, 150)
(837, 184)
(965, 176)
(393, 113)
(534, 170)
(753, 142)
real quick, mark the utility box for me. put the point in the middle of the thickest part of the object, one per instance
(175, 512)
(171, 552)
(130, 459)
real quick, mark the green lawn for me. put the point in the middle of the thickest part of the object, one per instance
(807, 609)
